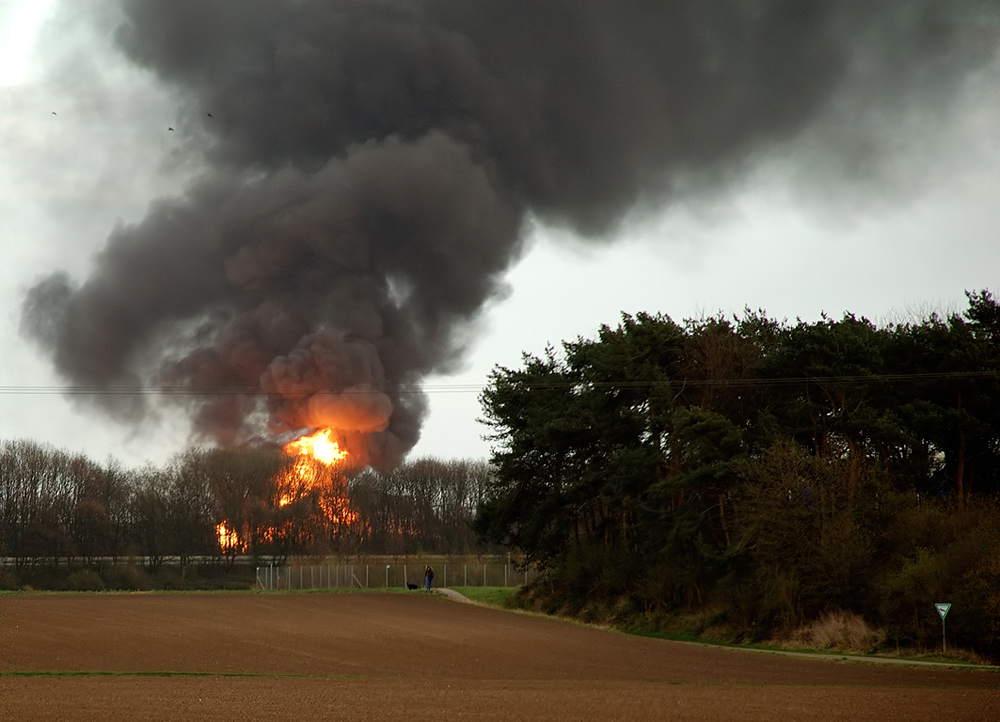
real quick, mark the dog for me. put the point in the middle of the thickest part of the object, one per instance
(410, 585)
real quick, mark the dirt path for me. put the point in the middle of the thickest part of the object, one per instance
(417, 657)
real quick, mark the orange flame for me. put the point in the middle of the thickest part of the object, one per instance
(319, 446)
(228, 539)
(315, 471)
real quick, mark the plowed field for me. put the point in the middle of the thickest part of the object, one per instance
(224, 657)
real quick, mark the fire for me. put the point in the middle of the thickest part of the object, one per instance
(319, 446)
(228, 539)
(316, 472)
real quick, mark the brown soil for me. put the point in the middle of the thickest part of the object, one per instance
(417, 657)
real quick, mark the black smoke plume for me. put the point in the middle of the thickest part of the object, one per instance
(373, 162)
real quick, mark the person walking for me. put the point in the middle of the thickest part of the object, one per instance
(428, 576)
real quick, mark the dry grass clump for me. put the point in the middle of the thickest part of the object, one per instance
(836, 630)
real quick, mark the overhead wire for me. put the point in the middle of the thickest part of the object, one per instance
(459, 388)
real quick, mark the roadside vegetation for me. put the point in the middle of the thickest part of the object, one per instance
(495, 596)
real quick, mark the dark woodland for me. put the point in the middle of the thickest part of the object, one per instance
(761, 473)
(57, 508)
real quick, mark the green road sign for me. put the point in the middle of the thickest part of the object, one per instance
(942, 610)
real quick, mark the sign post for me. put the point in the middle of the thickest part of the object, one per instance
(943, 609)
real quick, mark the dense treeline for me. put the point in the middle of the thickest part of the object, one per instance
(426, 505)
(62, 508)
(762, 472)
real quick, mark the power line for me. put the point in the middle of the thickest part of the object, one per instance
(517, 377)
(11, 390)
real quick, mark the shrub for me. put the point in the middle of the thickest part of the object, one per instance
(84, 580)
(127, 577)
(837, 630)
(962, 570)
(8, 579)
(170, 578)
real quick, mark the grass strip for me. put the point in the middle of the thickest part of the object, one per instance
(107, 673)
(495, 596)
(839, 655)
(708, 684)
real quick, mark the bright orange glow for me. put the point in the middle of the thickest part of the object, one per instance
(317, 446)
(228, 539)
(316, 472)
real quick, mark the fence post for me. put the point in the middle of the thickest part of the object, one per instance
(445, 575)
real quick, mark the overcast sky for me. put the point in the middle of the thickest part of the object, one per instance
(77, 158)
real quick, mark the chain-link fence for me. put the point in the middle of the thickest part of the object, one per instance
(389, 575)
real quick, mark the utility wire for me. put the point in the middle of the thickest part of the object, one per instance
(516, 377)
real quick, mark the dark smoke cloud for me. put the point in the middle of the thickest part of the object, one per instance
(372, 163)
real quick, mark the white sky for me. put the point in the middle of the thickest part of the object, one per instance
(913, 241)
